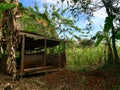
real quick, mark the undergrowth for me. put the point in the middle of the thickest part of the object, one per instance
(85, 58)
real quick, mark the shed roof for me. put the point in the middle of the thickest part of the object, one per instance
(33, 40)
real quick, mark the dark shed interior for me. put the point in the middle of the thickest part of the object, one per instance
(38, 60)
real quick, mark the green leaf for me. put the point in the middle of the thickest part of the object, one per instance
(63, 11)
(56, 14)
(108, 23)
(117, 35)
(99, 40)
(77, 37)
(5, 6)
(99, 36)
(45, 17)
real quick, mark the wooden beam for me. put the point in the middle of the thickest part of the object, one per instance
(29, 71)
(22, 55)
(45, 52)
(64, 47)
(39, 68)
(31, 35)
(59, 62)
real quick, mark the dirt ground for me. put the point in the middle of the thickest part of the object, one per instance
(65, 80)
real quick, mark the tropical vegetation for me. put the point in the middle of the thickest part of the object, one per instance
(54, 23)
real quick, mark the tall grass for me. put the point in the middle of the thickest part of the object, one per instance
(85, 58)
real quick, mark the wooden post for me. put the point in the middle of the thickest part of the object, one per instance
(45, 52)
(64, 47)
(59, 64)
(22, 55)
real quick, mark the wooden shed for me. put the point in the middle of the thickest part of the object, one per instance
(32, 55)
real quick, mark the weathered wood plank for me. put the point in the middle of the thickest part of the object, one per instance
(22, 55)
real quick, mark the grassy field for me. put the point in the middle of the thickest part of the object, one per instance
(85, 58)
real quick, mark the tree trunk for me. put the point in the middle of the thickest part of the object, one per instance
(10, 27)
(1, 49)
(108, 7)
(114, 47)
(110, 54)
(11, 64)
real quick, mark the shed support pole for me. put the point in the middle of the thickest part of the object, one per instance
(45, 52)
(64, 48)
(22, 55)
(59, 62)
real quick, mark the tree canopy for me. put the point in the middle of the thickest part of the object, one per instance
(112, 22)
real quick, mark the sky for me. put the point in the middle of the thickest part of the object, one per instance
(98, 19)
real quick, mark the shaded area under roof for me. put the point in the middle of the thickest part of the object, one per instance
(33, 41)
